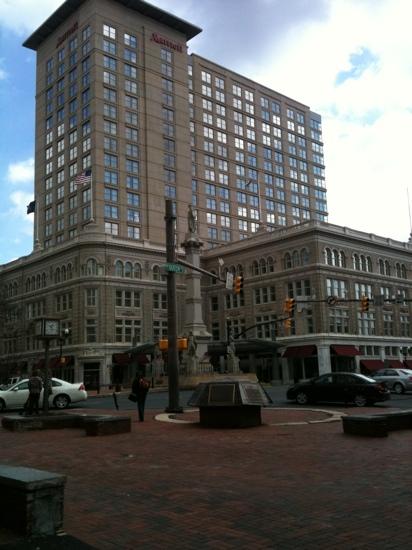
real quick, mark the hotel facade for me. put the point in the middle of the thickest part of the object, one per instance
(126, 118)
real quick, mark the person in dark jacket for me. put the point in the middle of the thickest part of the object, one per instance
(140, 388)
(35, 387)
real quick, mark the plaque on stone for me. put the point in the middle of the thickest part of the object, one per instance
(221, 394)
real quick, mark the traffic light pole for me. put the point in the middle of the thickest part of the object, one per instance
(172, 354)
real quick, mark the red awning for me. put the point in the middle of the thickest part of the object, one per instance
(348, 351)
(372, 364)
(300, 351)
(395, 364)
(408, 364)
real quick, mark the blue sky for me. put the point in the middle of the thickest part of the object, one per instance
(349, 60)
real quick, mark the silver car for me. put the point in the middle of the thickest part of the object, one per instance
(63, 393)
(397, 380)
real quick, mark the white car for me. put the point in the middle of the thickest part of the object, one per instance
(63, 393)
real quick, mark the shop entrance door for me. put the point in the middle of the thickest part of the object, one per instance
(91, 376)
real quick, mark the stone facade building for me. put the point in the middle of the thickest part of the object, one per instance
(126, 118)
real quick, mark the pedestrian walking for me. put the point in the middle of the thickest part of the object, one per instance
(35, 386)
(140, 388)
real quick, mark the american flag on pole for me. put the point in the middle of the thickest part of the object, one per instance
(83, 177)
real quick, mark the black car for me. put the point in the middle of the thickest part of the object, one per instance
(345, 387)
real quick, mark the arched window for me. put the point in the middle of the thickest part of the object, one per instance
(304, 256)
(398, 269)
(270, 264)
(232, 270)
(239, 269)
(118, 268)
(15, 289)
(381, 267)
(137, 271)
(33, 283)
(10, 290)
(368, 264)
(91, 266)
(287, 260)
(342, 259)
(27, 285)
(128, 269)
(327, 254)
(387, 268)
(255, 268)
(295, 258)
(356, 262)
(403, 271)
(156, 273)
(63, 273)
(262, 266)
(43, 280)
(69, 271)
(57, 275)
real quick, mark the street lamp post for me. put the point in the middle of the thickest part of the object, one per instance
(46, 330)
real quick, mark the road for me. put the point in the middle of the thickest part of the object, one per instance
(160, 400)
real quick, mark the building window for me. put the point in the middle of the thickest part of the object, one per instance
(159, 301)
(338, 321)
(91, 330)
(91, 297)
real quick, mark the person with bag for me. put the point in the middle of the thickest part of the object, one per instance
(140, 388)
(35, 386)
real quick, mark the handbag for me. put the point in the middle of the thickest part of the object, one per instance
(132, 397)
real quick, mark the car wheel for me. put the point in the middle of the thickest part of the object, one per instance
(61, 401)
(360, 400)
(2, 405)
(302, 398)
(398, 388)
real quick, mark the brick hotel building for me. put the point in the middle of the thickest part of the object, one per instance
(124, 119)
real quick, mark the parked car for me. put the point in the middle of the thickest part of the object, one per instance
(346, 387)
(63, 394)
(398, 380)
(10, 382)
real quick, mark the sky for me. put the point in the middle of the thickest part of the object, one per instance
(348, 60)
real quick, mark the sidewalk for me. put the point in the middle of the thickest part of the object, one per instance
(284, 485)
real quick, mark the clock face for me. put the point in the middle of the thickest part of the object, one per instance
(51, 327)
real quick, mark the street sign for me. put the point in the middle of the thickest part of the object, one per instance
(175, 268)
(332, 300)
(229, 280)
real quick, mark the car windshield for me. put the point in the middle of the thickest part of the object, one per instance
(407, 372)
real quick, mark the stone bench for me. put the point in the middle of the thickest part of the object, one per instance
(93, 424)
(31, 500)
(377, 425)
(107, 425)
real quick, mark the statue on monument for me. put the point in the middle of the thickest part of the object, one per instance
(191, 220)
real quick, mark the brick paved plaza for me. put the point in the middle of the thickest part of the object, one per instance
(180, 486)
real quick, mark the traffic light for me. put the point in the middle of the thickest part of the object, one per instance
(290, 304)
(287, 323)
(238, 286)
(364, 304)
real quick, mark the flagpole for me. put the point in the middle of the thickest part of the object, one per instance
(91, 197)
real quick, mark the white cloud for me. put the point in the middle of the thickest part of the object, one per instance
(366, 119)
(21, 172)
(18, 213)
(22, 16)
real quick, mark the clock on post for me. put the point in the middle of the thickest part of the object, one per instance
(47, 328)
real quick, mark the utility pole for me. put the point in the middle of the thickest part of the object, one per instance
(172, 353)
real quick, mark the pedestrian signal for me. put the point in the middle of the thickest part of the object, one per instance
(364, 304)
